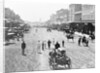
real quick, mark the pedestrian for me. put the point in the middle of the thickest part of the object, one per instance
(49, 44)
(63, 43)
(79, 41)
(39, 47)
(23, 46)
(43, 45)
(57, 45)
(17, 36)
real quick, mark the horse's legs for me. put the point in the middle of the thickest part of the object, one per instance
(87, 43)
(65, 66)
(55, 66)
(69, 66)
(83, 43)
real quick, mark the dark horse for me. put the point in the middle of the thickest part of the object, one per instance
(92, 36)
(56, 59)
(85, 41)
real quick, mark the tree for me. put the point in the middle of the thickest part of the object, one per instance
(12, 19)
(10, 15)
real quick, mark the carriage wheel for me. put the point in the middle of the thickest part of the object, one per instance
(55, 66)
(51, 67)
(69, 64)
(51, 64)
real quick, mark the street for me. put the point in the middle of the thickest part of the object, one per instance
(81, 57)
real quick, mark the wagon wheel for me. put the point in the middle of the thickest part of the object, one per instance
(52, 63)
(51, 67)
(55, 66)
(69, 64)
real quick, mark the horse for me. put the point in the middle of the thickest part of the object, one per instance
(70, 37)
(85, 41)
(49, 30)
(57, 59)
(10, 36)
(92, 37)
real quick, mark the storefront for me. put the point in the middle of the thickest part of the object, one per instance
(86, 26)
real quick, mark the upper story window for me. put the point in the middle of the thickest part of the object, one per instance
(78, 7)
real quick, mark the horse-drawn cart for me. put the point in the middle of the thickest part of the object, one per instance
(59, 62)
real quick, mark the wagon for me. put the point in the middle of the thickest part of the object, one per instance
(57, 63)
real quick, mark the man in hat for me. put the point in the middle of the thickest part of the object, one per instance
(23, 46)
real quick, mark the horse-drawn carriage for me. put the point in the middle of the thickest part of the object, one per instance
(59, 61)
(84, 39)
(69, 34)
(49, 30)
(12, 36)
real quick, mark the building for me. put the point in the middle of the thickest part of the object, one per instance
(60, 17)
(75, 12)
(82, 18)
(88, 13)
(81, 13)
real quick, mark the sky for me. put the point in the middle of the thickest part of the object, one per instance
(34, 10)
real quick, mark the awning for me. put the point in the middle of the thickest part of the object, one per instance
(81, 35)
(11, 33)
(83, 21)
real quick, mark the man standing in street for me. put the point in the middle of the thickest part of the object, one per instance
(57, 45)
(43, 46)
(79, 41)
(39, 47)
(49, 44)
(63, 43)
(23, 46)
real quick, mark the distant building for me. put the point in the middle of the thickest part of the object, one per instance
(81, 13)
(61, 16)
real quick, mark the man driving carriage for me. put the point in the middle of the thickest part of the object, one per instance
(58, 51)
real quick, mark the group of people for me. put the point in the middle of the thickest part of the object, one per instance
(52, 46)
(57, 53)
